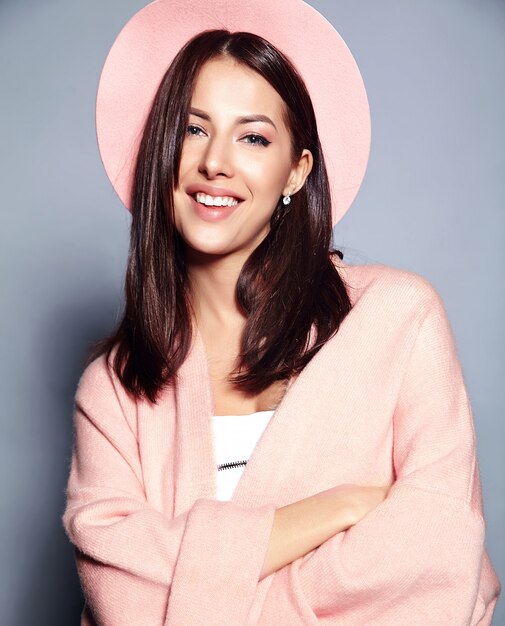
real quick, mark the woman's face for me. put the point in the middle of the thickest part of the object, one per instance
(223, 155)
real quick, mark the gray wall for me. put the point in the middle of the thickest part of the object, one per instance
(432, 202)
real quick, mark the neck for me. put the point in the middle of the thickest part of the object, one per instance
(213, 280)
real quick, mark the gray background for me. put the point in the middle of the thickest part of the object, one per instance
(432, 202)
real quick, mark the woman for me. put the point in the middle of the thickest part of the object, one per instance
(361, 501)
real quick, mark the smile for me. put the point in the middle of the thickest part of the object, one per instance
(204, 198)
(213, 212)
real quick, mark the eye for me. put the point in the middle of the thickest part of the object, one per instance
(259, 140)
(191, 126)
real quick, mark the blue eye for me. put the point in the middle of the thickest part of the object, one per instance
(258, 140)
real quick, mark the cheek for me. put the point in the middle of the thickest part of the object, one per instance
(185, 166)
(264, 176)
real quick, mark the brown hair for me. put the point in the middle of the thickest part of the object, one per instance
(287, 283)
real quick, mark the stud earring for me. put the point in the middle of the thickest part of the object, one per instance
(286, 199)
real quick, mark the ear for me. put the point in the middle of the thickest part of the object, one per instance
(299, 173)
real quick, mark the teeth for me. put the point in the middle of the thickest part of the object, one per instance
(215, 200)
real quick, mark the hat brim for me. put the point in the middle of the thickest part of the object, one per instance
(147, 44)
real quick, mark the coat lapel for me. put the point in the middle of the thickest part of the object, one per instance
(282, 440)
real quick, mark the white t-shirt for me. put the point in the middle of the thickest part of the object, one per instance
(235, 437)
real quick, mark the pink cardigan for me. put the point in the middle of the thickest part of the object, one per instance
(384, 401)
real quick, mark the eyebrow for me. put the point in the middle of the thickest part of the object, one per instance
(258, 117)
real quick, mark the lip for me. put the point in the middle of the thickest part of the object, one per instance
(212, 191)
(212, 213)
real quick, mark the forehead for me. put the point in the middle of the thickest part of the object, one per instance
(227, 86)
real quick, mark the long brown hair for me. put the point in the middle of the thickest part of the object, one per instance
(287, 283)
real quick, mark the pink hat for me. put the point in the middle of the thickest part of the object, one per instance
(148, 43)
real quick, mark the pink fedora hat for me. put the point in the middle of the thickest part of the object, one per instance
(147, 44)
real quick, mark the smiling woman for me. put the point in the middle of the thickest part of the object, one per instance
(246, 130)
(246, 340)
(252, 153)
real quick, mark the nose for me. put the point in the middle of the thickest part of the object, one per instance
(216, 158)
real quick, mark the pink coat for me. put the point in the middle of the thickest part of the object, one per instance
(384, 401)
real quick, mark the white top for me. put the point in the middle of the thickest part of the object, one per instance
(235, 437)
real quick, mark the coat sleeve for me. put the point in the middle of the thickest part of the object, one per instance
(128, 553)
(419, 557)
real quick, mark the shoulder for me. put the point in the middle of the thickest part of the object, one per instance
(397, 308)
(95, 379)
(388, 287)
(103, 408)
(99, 386)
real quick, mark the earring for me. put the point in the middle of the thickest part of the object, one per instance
(286, 199)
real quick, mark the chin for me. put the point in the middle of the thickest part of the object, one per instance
(207, 247)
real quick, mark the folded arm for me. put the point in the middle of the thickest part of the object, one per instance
(131, 558)
(417, 558)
